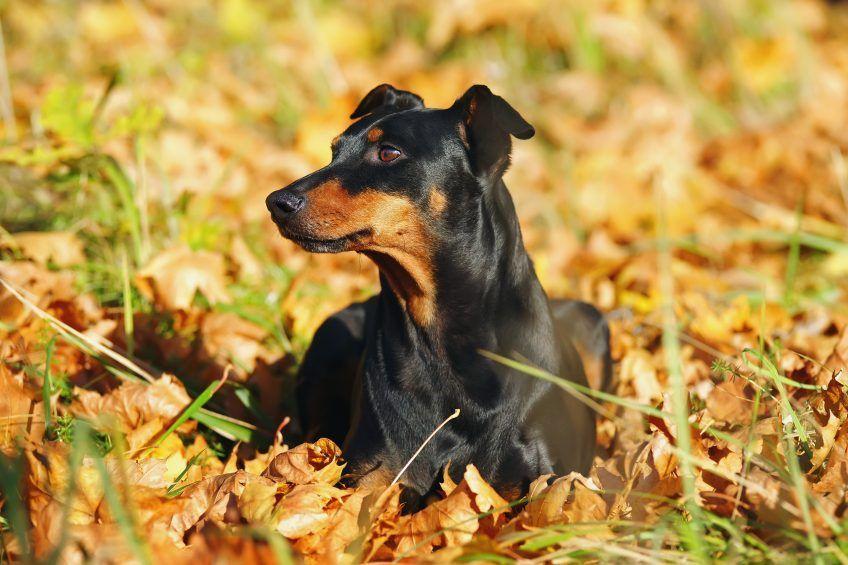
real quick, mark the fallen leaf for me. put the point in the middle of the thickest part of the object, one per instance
(20, 414)
(446, 522)
(303, 510)
(637, 369)
(341, 529)
(175, 275)
(568, 500)
(134, 403)
(729, 402)
(63, 248)
(307, 463)
(230, 338)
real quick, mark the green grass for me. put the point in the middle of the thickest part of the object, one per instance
(14, 508)
(191, 410)
(729, 531)
(692, 529)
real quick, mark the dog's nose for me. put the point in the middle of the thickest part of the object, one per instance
(284, 203)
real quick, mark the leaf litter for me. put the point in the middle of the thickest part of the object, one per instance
(169, 170)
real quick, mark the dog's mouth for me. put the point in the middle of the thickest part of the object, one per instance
(353, 241)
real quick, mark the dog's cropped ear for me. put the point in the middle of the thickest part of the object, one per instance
(489, 121)
(387, 96)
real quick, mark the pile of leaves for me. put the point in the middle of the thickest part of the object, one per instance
(689, 177)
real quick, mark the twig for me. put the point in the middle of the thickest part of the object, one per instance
(423, 445)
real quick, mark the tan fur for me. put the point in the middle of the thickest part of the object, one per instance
(374, 134)
(400, 241)
(438, 202)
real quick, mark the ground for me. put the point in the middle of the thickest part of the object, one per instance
(689, 177)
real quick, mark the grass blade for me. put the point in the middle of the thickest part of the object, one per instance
(794, 257)
(129, 319)
(47, 385)
(192, 408)
(120, 510)
(126, 192)
(11, 473)
(679, 394)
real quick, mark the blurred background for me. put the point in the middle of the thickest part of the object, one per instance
(141, 138)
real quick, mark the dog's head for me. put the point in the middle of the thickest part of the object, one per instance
(400, 177)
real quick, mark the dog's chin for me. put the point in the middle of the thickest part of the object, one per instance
(349, 242)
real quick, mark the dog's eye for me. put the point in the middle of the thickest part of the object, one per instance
(388, 153)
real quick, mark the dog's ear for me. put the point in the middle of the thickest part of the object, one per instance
(387, 95)
(488, 121)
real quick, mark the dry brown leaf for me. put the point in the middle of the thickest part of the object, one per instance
(729, 402)
(174, 276)
(834, 479)
(827, 437)
(568, 499)
(717, 327)
(134, 403)
(149, 473)
(20, 414)
(838, 360)
(200, 504)
(486, 499)
(42, 285)
(447, 522)
(637, 369)
(50, 476)
(261, 460)
(230, 338)
(257, 501)
(341, 530)
(63, 248)
(453, 520)
(307, 463)
(448, 485)
(304, 511)
(250, 268)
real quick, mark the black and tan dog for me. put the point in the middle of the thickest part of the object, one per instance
(420, 192)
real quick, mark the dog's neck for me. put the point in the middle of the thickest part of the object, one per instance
(486, 295)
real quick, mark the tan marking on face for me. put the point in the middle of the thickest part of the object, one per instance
(374, 134)
(438, 202)
(335, 142)
(399, 240)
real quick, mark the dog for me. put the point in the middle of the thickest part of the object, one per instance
(420, 192)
